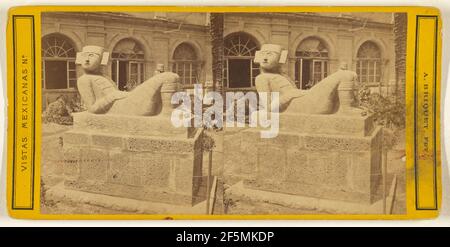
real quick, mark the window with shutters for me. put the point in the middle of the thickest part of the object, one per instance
(58, 62)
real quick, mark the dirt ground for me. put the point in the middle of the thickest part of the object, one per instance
(52, 174)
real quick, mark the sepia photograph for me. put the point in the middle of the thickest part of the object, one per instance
(235, 113)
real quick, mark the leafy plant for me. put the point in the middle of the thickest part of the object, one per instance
(60, 111)
(388, 111)
(75, 105)
(208, 142)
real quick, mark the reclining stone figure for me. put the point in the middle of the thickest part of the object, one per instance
(322, 98)
(101, 96)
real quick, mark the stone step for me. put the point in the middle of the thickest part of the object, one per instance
(327, 124)
(310, 141)
(131, 125)
(248, 200)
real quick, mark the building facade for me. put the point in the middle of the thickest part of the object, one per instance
(139, 42)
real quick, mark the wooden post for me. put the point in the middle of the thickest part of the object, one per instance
(384, 174)
(208, 182)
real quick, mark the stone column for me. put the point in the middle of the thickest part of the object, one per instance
(291, 67)
(161, 51)
(95, 32)
(207, 64)
(344, 52)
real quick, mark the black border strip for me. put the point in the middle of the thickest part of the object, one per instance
(33, 43)
(434, 113)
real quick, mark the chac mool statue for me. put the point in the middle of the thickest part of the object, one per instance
(323, 98)
(101, 96)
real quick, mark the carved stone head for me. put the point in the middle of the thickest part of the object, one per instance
(91, 57)
(270, 57)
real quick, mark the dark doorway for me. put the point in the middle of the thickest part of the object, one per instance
(306, 74)
(239, 73)
(55, 74)
(310, 71)
(123, 72)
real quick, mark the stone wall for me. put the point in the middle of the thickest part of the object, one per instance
(342, 36)
(158, 38)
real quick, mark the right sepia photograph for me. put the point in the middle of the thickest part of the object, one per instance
(194, 113)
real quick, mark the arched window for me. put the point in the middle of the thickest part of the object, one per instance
(239, 69)
(311, 64)
(368, 64)
(185, 64)
(127, 64)
(58, 62)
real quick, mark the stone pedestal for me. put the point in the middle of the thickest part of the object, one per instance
(142, 158)
(334, 157)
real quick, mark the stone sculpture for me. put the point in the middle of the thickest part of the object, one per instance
(101, 96)
(320, 99)
(325, 149)
(116, 149)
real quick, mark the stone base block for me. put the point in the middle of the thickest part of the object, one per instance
(314, 161)
(338, 167)
(151, 168)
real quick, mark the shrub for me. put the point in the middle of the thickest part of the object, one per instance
(60, 111)
(388, 111)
